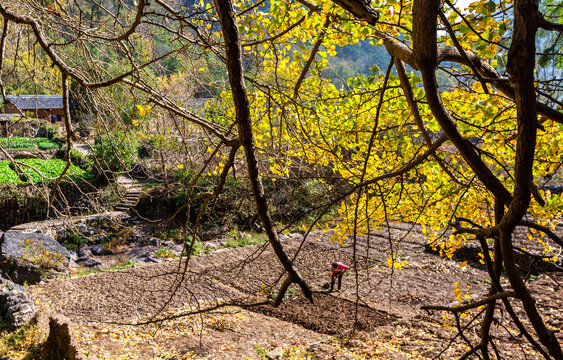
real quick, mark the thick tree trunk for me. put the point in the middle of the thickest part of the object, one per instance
(425, 50)
(521, 64)
(494, 272)
(229, 28)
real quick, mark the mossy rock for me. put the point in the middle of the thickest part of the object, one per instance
(30, 258)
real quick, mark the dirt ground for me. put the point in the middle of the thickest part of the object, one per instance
(390, 323)
(328, 314)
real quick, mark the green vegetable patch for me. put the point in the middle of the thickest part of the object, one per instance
(24, 143)
(38, 170)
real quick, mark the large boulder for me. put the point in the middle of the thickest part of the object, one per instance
(32, 257)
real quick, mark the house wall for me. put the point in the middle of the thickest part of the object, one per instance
(40, 113)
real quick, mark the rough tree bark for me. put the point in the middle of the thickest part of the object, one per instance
(521, 64)
(425, 50)
(522, 52)
(229, 28)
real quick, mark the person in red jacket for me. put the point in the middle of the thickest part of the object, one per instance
(338, 269)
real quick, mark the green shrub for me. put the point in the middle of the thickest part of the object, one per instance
(113, 153)
(243, 239)
(197, 249)
(46, 145)
(165, 253)
(35, 253)
(79, 159)
(47, 131)
(8, 175)
(74, 239)
(175, 235)
(110, 194)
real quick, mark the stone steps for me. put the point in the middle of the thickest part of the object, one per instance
(133, 192)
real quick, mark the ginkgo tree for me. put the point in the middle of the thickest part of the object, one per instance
(472, 157)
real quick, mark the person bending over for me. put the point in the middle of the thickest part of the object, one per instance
(338, 269)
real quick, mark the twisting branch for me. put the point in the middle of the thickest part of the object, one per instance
(472, 349)
(409, 95)
(461, 50)
(158, 98)
(478, 232)
(494, 270)
(520, 67)
(361, 9)
(140, 10)
(472, 305)
(229, 27)
(426, 57)
(81, 79)
(451, 53)
(544, 229)
(548, 25)
(425, 13)
(5, 30)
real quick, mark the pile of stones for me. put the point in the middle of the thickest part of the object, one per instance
(16, 306)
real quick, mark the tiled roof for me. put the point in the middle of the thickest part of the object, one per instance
(32, 102)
